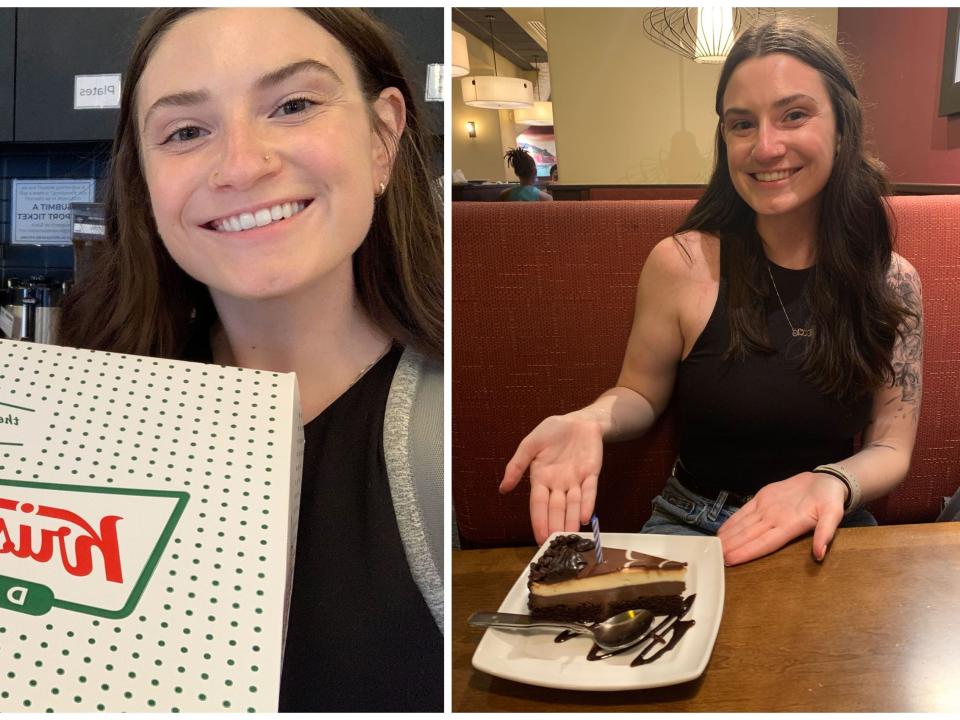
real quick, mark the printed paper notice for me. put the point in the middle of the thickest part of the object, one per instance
(40, 212)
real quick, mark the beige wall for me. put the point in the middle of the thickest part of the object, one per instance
(481, 158)
(627, 111)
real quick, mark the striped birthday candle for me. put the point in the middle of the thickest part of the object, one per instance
(598, 549)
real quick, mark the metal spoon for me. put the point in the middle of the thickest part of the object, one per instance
(615, 633)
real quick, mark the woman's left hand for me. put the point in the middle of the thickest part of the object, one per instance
(782, 511)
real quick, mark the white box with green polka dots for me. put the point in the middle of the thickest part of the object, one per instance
(147, 526)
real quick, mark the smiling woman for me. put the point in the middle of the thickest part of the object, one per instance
(271, 207)
(778, 315)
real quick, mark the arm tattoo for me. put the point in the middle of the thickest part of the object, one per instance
(908, 349)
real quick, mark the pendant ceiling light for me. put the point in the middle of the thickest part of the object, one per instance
(461, 58)
(541, 113)
(494, 92)
(705, 35)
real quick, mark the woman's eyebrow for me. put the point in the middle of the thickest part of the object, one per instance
(277, 76)
(782, 102)
(735, 111)
(188, 98)
(796, 97)
(185, 98)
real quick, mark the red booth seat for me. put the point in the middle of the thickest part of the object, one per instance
(543, 299)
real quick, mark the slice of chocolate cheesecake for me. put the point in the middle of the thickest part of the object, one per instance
(566, 583)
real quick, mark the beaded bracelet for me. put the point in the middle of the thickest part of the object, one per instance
(844, 476)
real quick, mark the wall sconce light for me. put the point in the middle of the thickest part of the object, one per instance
(471, 129)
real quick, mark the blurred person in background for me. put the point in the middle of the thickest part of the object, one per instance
(526, 169)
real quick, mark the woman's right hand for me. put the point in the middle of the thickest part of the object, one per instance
(564, 454)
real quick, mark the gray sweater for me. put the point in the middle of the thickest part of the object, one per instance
(413, 449)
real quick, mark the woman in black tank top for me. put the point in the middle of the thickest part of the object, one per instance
(777, 314)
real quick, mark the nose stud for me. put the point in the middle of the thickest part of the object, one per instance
(266, 158)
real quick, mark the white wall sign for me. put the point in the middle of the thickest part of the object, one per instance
(40, 211)
(96, 92)
(433, 91)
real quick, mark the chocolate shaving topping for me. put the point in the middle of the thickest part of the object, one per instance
(583, 544)
(561, 560)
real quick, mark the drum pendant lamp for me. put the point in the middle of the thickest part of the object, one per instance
(495, 92)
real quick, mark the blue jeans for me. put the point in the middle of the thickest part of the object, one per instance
(678, 511)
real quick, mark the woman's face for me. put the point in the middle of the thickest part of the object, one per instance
(254, 118)
(780, 131)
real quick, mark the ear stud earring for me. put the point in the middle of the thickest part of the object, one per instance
(383, 189)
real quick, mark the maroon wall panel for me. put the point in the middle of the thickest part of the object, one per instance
(901, 53)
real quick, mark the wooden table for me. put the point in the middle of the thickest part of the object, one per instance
(876, 627)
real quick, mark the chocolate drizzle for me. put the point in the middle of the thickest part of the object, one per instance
(679, 628)
(657, 635)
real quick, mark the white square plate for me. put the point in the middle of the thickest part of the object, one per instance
(532, 656)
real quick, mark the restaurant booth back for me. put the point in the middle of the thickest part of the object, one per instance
(543, 297)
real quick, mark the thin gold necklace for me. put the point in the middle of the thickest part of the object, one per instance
(368, 367)
(797, 331)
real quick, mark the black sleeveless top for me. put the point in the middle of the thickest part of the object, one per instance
(746, 423)
(360, 636)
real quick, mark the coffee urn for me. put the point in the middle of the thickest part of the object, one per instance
(35, 307)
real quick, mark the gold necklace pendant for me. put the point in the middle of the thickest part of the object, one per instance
(797, 332)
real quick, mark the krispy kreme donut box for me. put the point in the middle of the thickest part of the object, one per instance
(147, 528)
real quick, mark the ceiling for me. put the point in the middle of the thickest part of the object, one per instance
(513, 42)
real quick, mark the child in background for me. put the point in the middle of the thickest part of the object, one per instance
(526, 170)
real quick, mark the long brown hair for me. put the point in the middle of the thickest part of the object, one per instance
(138, 300)
(855, 313)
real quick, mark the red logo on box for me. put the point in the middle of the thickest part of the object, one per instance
(19, 541)
(81, 548)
